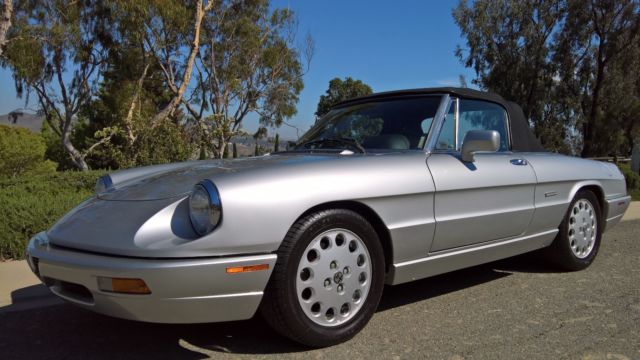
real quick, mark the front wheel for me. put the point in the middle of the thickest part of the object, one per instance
(580, 232)
(328, 279)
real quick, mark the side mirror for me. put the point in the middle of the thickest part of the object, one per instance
(479, 140)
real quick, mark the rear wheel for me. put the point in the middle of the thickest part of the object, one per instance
(578, 240)
(328, 279)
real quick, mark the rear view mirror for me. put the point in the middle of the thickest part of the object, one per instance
(479, 140)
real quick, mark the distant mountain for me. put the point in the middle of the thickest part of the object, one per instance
(18, 118)
(245, 144)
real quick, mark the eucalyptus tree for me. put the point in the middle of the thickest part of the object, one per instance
(248, 64)
(134, 90)
(172, 32)
(571, 64)
(340, 90)
(5, 22)
(55, 51)
(595, 44)
(509, 45)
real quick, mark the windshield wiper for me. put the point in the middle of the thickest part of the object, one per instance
(350, 142)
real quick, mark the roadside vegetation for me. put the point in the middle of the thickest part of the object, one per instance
(32, 203)
(633, 181)
(33, 195)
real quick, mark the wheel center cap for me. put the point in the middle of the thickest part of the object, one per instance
(337, 278)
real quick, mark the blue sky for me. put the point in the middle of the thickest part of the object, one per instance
(387, 44)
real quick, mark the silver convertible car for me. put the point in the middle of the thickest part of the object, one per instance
(384, 189)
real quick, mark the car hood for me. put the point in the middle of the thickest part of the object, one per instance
(179, 182)
(147, 213)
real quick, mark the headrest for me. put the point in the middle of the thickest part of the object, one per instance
(387, 141)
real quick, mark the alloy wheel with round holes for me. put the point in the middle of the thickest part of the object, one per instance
(333, 277)
(328, 279)
(580, 232)
(582, 228)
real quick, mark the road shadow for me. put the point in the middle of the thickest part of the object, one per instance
(30, 297)
(64, 331)
(420, 290)
(534, 262)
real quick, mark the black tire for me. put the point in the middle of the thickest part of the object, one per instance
(280, 306)
(560, 252)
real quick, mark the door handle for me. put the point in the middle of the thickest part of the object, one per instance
(520, 162)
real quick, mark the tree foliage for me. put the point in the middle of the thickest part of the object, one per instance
(125, 83)
(562, 60)
(131, 93)
(5, 22)
(56, 49)
(596, 50)
(22, 152)
(248, 63)
(340, 90)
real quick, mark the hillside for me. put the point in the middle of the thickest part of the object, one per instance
(32, 122)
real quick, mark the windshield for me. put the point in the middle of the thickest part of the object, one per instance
(392, 124)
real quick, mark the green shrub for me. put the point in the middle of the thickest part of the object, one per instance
(31, 204)
(22, 152)
(632, 178)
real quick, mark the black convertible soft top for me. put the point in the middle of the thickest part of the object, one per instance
(522, 138)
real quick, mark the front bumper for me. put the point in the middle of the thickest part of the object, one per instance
(182, 290)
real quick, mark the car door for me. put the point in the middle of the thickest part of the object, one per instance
(489, 199)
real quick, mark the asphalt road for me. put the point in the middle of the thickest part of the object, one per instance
(512, 309)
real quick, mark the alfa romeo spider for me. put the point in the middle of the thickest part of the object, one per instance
(384, 189)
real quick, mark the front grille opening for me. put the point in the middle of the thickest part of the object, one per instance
(71, 291)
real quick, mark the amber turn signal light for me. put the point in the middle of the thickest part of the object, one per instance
(123, 285)
(250, 268)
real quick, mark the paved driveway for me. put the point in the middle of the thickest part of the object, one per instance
(512, 309)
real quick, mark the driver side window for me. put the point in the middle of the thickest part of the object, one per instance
(483, 115)
(465, 115)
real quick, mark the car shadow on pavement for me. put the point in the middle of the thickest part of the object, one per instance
(64, 331)
(533, 262)
(30, 297)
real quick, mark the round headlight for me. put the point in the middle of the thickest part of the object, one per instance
(205, 209)
(104, 184)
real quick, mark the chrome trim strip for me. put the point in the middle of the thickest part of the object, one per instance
(438, 120)
(222, 296)
(439, 263)
(456, 119)
(614, 218)
(487, 246)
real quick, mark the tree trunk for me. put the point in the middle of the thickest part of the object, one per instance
(635, 158)
(128, 121)
(186, 77)
(222, 147)
(588, 128)
(76, 157)
(5, 22)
